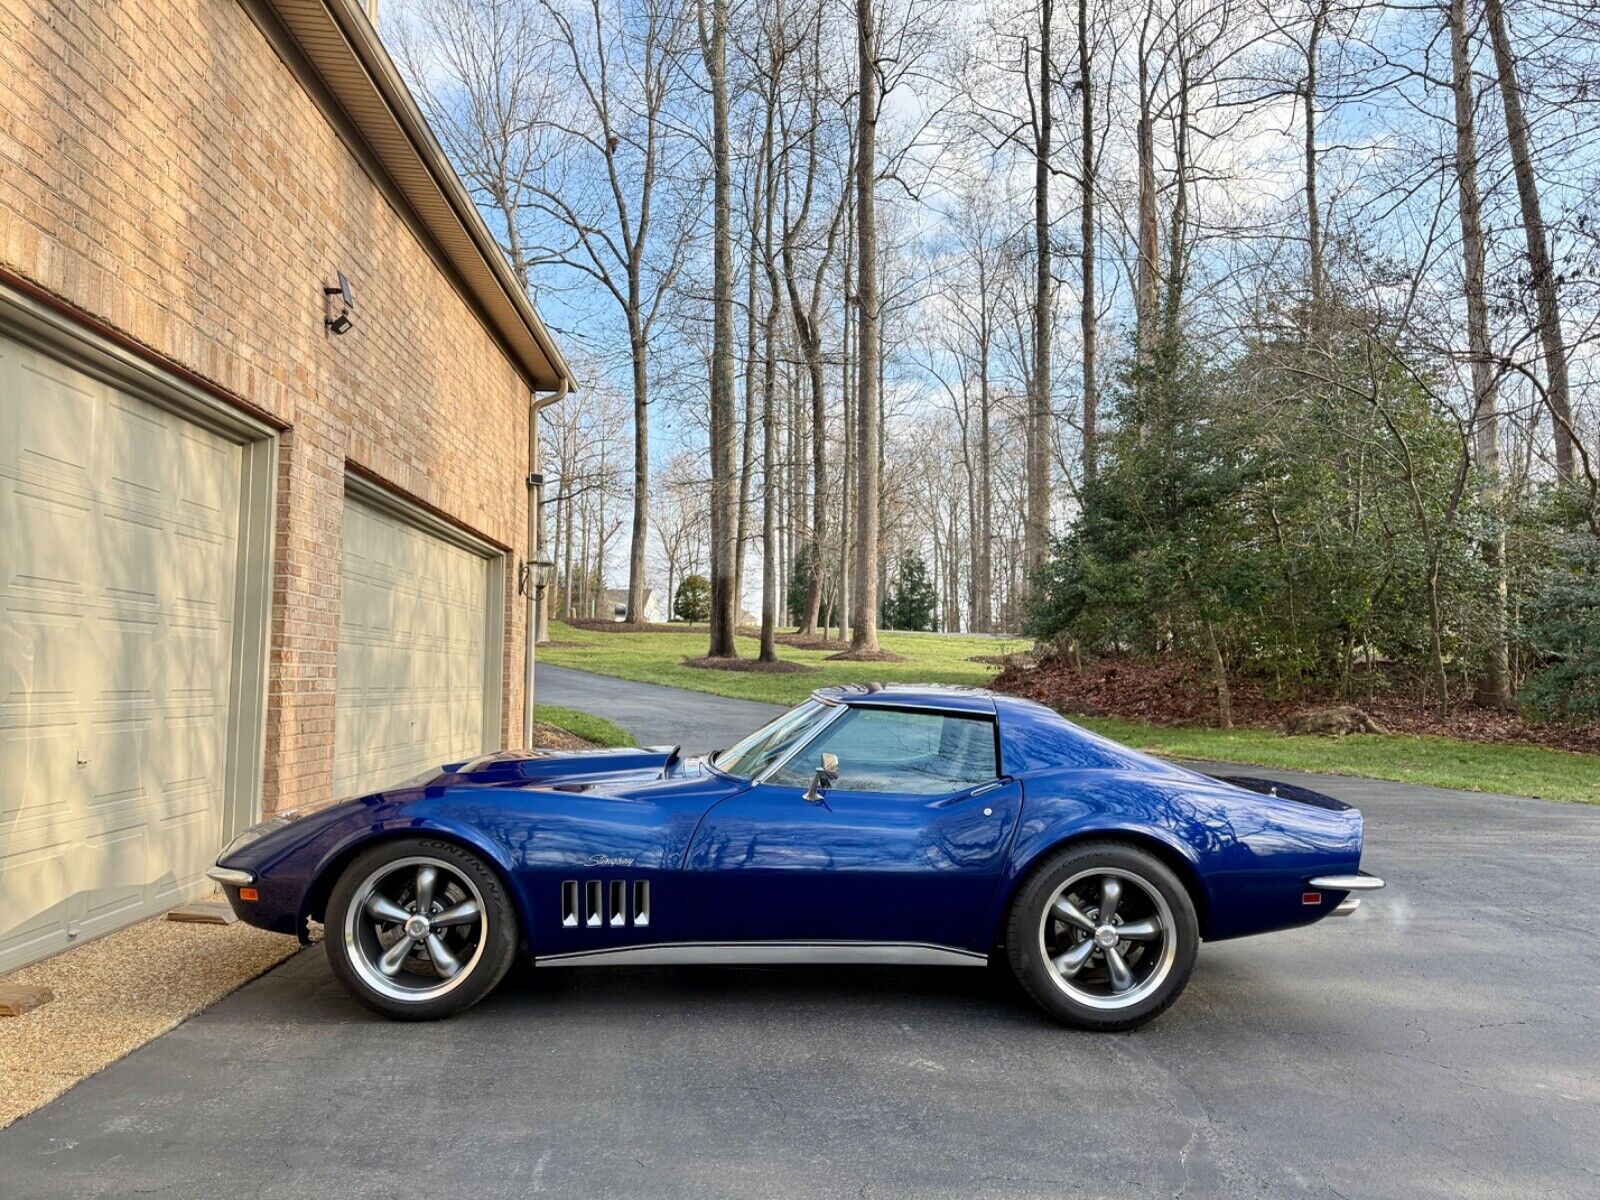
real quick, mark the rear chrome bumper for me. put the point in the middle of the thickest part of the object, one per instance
(1359, 882)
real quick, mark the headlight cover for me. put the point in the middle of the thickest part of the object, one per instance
(256, 832)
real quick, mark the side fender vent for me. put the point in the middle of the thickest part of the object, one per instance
(605, 904)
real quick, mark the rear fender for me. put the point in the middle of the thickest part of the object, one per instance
(1245, 854)
(1037, 844)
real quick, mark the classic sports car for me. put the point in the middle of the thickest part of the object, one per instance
(914, 825)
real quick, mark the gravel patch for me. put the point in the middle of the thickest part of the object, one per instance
(116, 993)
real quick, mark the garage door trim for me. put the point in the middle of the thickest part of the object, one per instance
(41, 328)
(376, 495)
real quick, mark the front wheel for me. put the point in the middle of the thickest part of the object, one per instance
(1103, 936)
(419, 929)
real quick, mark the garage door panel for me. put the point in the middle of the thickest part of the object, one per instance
(48, 542)
(207, 492)
(128, 553)
(139, 454)
(37, 763)
(53, 414)
(40, 651)
(116, 627)
(412, 651)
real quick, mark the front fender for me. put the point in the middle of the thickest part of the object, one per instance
(296, 867)
(325, 874)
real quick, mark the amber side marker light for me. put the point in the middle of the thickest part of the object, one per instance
(1305, 897)
(249, 894)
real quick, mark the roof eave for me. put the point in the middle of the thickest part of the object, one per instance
(341, 44)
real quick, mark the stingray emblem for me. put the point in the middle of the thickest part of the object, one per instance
(605, 860)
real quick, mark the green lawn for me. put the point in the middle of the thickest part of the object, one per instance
(657, 658)
(585, 725)
(1439, 762)
(930, 658)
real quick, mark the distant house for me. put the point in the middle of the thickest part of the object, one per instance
(616, 604)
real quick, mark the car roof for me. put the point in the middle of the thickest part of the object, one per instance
(948, 697)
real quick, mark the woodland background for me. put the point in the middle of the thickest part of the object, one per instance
(1253, 339)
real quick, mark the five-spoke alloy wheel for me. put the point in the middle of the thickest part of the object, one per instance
(418, 929)
(1103, 936)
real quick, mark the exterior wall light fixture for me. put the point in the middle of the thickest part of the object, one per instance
(536, 575)
(340, 323)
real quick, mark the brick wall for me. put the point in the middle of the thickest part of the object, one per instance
(162, 170)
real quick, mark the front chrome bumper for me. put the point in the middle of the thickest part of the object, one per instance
(230, 877)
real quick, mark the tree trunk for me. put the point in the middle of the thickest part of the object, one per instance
(724, 483)
(1088, 318)
(847, 458)
(1558, 393)
(1219, 673)
(1494, 687)
(1036, 537)
(1177, 249)
(641, 469)
(1147, 285)
(819, 485)
(769, 370)
(747, 460)
(1313, 204)
(864, 635)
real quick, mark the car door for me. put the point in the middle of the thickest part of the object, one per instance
(906, 846)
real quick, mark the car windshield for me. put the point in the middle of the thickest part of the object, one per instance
(771, 742)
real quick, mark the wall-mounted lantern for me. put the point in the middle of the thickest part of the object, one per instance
(536, 574)
(338, 323)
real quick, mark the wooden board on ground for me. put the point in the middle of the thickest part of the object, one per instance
(204, 912)
(18, 998)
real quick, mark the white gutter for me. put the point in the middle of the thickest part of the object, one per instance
(536, 404)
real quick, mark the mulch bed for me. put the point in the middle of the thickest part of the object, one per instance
(552, 737)
(1176, 691)
(796, 642)
(887, 656)
(753, 666)
(1021, 658)
(635, 626)
(598, 626)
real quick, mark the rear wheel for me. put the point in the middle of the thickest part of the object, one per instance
(419, 929)
(1103, 936)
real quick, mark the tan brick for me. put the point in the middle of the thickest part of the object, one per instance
(163, 171)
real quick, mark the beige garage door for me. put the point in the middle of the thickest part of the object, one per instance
(414, 650)
(118, 556)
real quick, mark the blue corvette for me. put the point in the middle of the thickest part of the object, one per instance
(916, 825)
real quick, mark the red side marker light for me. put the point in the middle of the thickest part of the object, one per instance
(249, 894)
(1307, 898)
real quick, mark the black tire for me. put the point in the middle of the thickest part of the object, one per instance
(1092, 998)
(482, 950)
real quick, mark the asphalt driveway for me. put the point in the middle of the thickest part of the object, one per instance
(1443, 1042)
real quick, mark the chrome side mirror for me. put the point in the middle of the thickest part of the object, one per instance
(824, 778)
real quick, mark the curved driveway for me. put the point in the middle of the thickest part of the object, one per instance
(1441, 1043)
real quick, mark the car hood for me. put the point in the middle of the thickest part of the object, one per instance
(543, 766)
(608, 772)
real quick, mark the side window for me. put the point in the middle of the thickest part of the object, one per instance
(888, 750)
